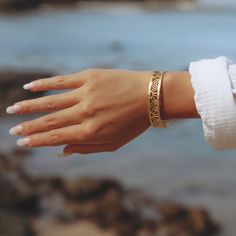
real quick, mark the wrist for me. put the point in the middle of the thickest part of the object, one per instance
(177, 96)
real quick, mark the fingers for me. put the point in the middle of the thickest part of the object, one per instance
(49, 122)
(88, 148)
(44, 104)
(67, 135)
(55, 83)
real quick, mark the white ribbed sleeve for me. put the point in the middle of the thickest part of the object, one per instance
(214, 84)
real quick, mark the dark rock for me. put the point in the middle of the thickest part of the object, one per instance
(180, 220)
(104, 202)
(87, 188)
(201, 222)
(170, 211)
(16, 188)
(11, 83)
(12, 224)
(24, 5)
(18, 5)
(17, 194)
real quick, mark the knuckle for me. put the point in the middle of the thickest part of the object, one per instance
(89, 109)
(55, 138)
(76, 135)
(90, 87)
(60, 82)
(27, 129)
(94, 73)
(75, 96)
(95, 76)
(94, 80)
(91, 131)
(51, 122)
(51, 103)
(26, 107)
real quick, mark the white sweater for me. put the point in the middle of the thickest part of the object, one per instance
(214, 84)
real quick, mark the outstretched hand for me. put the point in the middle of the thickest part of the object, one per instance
(101, 111)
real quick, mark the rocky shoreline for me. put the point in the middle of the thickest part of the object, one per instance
(39, 205)
(11, 83)
(25, 5)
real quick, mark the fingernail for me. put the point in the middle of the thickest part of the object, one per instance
(29, 86)
(13, 109)
(23, 141)
(15, 130)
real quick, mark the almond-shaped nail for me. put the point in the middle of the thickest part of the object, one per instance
(15, 130)
(29, 85)
(13, 109)
(23, 142)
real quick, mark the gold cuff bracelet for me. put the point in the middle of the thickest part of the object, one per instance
(154, 93)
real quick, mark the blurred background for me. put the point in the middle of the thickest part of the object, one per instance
(40, 38)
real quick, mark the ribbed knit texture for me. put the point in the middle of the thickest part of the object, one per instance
(214, 84)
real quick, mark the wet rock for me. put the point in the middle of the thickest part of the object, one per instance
(17, 194)
(12, 224)
(201, 222)
(180, 220)
(103, 202)
(87, 188)
(54, 206)
(11, 83)
(16, 188)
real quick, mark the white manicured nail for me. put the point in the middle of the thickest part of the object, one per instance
(29, 86)
(13, 109)
(23, 141)
(15, 130)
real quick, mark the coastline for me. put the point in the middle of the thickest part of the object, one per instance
(54, 204)
(129, 6)
(197, 176)
(8, 7)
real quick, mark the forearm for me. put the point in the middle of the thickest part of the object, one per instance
(178, 96)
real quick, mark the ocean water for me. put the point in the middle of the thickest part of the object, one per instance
(212, 3)
(174, 163)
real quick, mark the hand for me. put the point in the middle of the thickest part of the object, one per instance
(104, 110)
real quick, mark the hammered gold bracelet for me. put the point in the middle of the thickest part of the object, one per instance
(154, 93)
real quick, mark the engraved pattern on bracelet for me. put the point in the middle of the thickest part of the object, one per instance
(154, 100)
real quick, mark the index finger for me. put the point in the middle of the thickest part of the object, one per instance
(55, 83)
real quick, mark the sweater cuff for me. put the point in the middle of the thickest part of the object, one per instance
(232, 74)
(214, 84)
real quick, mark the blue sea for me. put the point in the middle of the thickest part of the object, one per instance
(174, 163)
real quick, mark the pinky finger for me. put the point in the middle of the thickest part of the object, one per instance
(88, 148)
